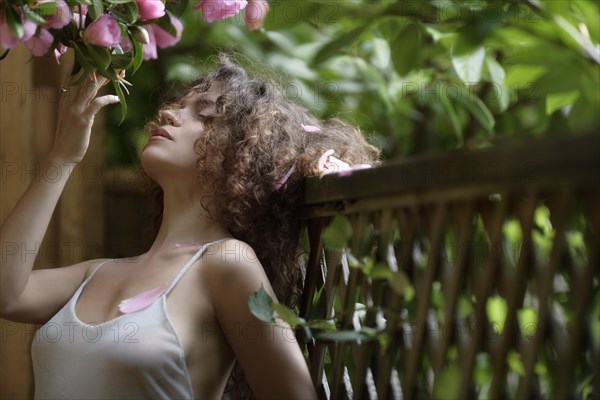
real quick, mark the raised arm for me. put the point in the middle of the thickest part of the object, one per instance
(269, 355)
(35, 296)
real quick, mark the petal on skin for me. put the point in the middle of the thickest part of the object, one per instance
(310, 128)
(38, 46)
(284, 178)
(214, 10)
(140, 301)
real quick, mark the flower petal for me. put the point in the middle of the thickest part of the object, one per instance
(310, 128)
(350, 170)
(140, 301)
(323, 159)
(284, 178)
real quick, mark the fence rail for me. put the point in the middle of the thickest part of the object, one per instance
(475, 274)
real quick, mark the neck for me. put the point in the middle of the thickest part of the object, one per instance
(186, 221)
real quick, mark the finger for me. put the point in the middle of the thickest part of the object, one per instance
(99, 102)
(90, 88)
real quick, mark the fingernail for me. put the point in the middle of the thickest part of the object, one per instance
(116, 99)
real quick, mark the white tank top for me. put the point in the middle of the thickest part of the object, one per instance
(133, 356)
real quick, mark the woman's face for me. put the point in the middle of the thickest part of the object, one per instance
(170, 150)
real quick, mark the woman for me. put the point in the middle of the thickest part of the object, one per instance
(229, 156)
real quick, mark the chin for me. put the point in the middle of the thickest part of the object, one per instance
(160, 166)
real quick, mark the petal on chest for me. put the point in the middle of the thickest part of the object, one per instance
(140, 301)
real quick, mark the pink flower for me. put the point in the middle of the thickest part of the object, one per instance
(150, 9)
(103, 32)
(214, 10)
(158, 37)
(125, 44)
(164, 38)
(7, 39)
(256, 12)
(150, 50)
(61, 16)
(39, 45)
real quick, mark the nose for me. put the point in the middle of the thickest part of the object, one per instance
(169, 116)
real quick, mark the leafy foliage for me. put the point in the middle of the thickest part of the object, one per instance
(419, 76)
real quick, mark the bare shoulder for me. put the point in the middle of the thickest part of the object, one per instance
(233, 265)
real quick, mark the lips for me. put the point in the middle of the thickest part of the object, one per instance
(161, 133)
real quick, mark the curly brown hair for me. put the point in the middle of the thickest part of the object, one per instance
(254, 142)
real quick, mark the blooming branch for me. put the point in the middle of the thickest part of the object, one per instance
(108, 36)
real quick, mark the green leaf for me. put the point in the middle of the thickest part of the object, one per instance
(400, 283)
(447, 383)
(322, 324)
(380, 271)
(96, 9)
(468, 66)
(556, 101)
(14, 22)
(100, 55)
(338, 233)
(478, 110)
(125, 12)
(33, 16)
(342, 336)
(122, 101)
(138, 53)
(451, 113)
(286, 314)
(496, 309)
(406, 49)
(318, 308)
(334, 47)
(261, 305)
(514, 362)
(495, 70)
(523, 75)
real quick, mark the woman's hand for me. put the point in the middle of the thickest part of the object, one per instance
(77, 109)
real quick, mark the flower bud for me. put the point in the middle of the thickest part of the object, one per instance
(140, 34)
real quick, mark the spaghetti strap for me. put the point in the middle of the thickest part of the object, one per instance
(187, 266)
(96, 269)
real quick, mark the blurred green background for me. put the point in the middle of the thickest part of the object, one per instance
(416, 75)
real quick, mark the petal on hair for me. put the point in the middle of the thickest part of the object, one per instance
(284, 178)
(350, 170)
(323, 160)
(311, 128)
(140, 301)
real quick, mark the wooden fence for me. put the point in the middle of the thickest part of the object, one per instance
(472, 274)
